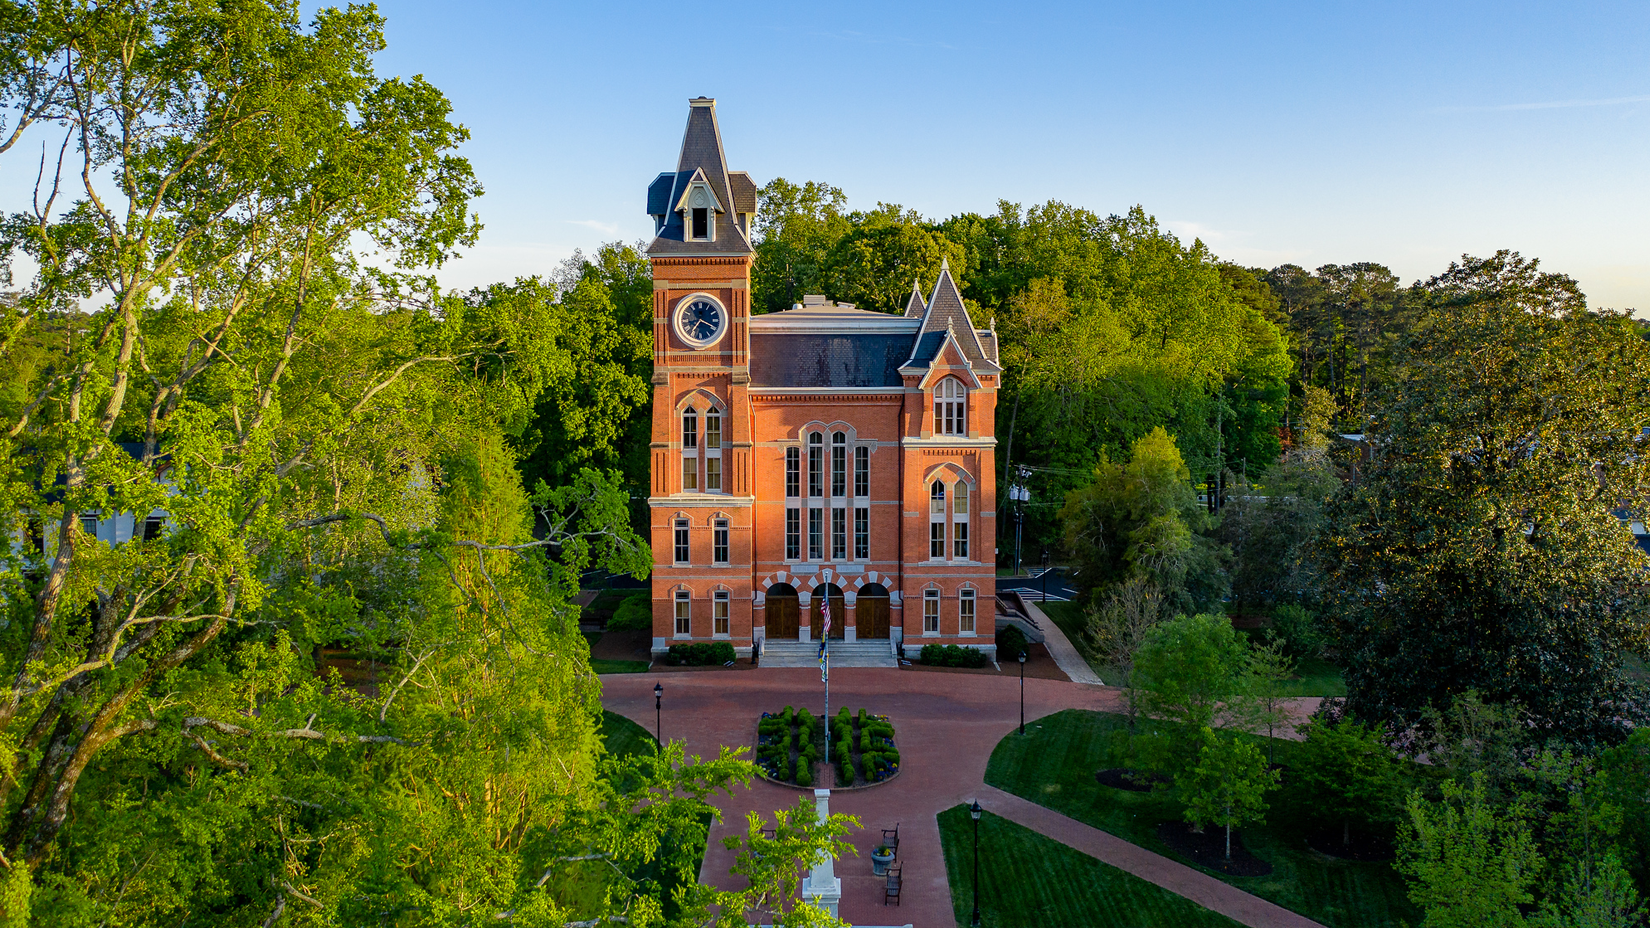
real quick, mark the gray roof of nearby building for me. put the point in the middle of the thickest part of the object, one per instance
(916, 305)
(785, 359)
(701, 151)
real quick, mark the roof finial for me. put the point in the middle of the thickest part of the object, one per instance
(945, 264)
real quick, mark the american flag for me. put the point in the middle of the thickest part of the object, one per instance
(826, 612)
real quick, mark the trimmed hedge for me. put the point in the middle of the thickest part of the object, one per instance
(951, 655)
(699, 654)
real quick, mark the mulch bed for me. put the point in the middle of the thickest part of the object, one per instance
(1208, 849)
(1135, 781)
(1364, 846)
(1040, 665)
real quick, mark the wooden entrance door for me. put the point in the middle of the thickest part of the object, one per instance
(871, 615)
(784, 614)
(839, 611)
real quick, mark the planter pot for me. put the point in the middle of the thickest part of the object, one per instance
(879, 863)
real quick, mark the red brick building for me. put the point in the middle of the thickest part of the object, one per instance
(825, 452)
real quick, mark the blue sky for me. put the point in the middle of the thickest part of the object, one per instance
(1309, 133)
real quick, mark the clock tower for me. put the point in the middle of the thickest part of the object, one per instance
(702, 499)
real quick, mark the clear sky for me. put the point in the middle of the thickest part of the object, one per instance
(1309, 133)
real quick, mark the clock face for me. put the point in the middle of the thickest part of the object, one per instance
(700, 320)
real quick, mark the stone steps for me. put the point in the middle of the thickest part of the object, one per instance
(874, 653)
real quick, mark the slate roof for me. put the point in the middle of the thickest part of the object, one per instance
(786, 359)
(946, 311)
(916, 306)
(701, 151)
(744, 192)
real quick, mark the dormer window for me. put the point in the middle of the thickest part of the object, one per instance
(950, 408)
(701, 222)
(699, 207)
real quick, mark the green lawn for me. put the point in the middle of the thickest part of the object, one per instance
(1316, 678)
(1054, 765)
(624, 737)
(1030, 880)
(606, 666)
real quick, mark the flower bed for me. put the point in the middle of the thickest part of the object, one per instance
(787, 745)
(862, 748)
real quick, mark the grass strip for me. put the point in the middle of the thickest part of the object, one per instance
(1030, 880)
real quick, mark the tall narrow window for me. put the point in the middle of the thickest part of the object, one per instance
(936, 520)
(965, 612)
(713, 451)
(816, 464)
(793, 472)
(701, 222)
(793, 534)
(959, 521)
(862, 471)
(936, 540)
(839, 465)
(816, 534)
(690, 429)
(719, 542)
(950, 408)
(719, 614)
(936, 499)
(690, 473)
(839, 534)
(684, 620)
(682, 551)
(931, 612)
(862, 534)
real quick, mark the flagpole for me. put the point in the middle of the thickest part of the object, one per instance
(825, 672)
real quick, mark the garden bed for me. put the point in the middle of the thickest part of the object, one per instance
(1207, 848)
(1135, 781)
(788, 744)
(862, 748)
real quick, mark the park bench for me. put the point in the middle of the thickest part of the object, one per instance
(891, 889)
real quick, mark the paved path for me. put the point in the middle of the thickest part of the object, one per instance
(1061, 649)
(947, 726)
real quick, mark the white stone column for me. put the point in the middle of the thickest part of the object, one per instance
(822, 887)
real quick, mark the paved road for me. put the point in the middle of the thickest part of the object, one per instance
(947, 726)
(1032, 585)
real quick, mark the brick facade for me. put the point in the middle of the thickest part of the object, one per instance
(798, 454)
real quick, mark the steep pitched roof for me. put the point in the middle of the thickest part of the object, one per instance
(915, 306)
(701, 152)
(744, 192)
(946, 311)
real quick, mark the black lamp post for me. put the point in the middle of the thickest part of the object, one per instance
(658, 715)
(974, 813)
(1022, 692)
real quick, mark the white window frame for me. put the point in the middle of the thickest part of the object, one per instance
(950, 407)
(793, 533)
(719, 624)
(931, 612)
(862, 533)
(966, 612)
(681, 543)
(682, 620)
(719, 547)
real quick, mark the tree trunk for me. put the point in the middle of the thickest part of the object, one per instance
(1346, 832)
(1228, 840)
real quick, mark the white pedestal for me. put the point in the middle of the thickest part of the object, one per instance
(822, 887)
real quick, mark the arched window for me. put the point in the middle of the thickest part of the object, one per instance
(950, 408)
(936, 520)
(959, 522)
(839, 464)
(936, 499)
(690, 428)
(816, 464)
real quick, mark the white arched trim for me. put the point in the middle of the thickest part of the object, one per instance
(955, 472)
(701, 400)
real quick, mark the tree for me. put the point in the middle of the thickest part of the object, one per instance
(1480, 548)
(1350, 773)
(1469, 866)
(795, 227)
(1605, 900)
(1119, 628)
(1265, 686)
(874, 265)
(1228, 786)
(1137, 520)
(1189, 668)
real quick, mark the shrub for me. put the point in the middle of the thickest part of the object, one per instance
(804, 770)
(951, 655)
(845, 770)
(1298, 630)
(634, 612)
(862, 718)
(1010, 642)
(699, 654)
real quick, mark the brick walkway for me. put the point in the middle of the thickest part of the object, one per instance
(948, 725)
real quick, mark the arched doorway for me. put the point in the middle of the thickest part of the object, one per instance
(871, 612)
(839, 610)
(783, 612)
